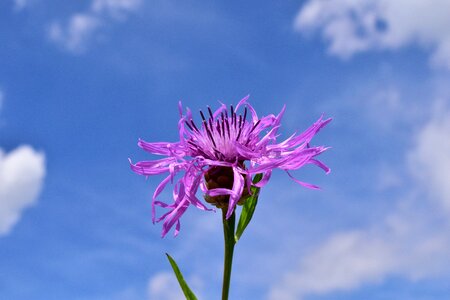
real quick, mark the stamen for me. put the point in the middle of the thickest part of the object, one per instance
(196, 148)
(223, 123)
(204, 121)
(254, 126)
(228, 127)
(210, 113)
(211, 137)
(203, 116)
(232, 114)
(193, 125)
(218, 154)
(192, 144)
(210, 121)
(245, 113)
(240, 127)
(223, 127)
(189, 126)
(218, 128)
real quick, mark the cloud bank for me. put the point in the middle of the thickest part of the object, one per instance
(354, 26)
(22, 173)
(411, 242)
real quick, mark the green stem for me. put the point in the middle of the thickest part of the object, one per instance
(228, 232)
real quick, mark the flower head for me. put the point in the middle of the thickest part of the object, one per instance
(221, 155)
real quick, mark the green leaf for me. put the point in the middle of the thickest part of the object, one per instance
(248, 208)
(186, 290)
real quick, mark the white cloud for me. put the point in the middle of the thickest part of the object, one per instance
(22, 172)
(164, 286)
(388, 178)
(82, 27)
(341, 263)
(412, 241)
(75, 36)
(20, 4)
(348, 260)
(353, 26)
(115, 8)
(430, 159)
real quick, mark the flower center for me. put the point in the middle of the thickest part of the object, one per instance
(222, 177)
(219, 134)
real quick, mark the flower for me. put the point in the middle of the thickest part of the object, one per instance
(221, 156)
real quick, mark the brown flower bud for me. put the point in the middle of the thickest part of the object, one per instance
(222, 177)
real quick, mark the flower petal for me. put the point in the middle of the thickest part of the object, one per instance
(158, 191)
(238, 186)
(264, 180)
(320, 165)
(174, 216)
(305, 184)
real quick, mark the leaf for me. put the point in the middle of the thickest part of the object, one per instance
(186, 290)
(248, 208)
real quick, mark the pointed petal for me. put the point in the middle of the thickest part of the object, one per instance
(321, 165)
(158, 191)
(305, 184)
(238, 186)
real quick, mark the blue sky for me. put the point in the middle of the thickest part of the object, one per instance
(80, 82)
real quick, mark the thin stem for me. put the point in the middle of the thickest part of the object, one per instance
(228, 232)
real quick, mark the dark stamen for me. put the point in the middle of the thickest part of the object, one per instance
(245, 113)
(218, 154)
(193, 125)
(232, 114)
(254, 126)
(192, 143)
(218, 127)
(223, 123)
(195, 148)
(190, 127)
(210, 121)
(210, 113)
(228, 127)
(203, 116)
(211, 137)
(240, 127)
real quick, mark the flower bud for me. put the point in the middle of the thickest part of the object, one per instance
(222, 177)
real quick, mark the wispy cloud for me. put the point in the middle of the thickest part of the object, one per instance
(411, 241)
(115, 8)
(20, 4)
(164, 286)
(22, 173)
(81, 28)
(76, 34)
(430, 159)
(357, 26)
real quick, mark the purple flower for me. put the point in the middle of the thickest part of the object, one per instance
(221, 155)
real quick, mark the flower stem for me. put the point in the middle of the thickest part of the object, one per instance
(228, 232)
